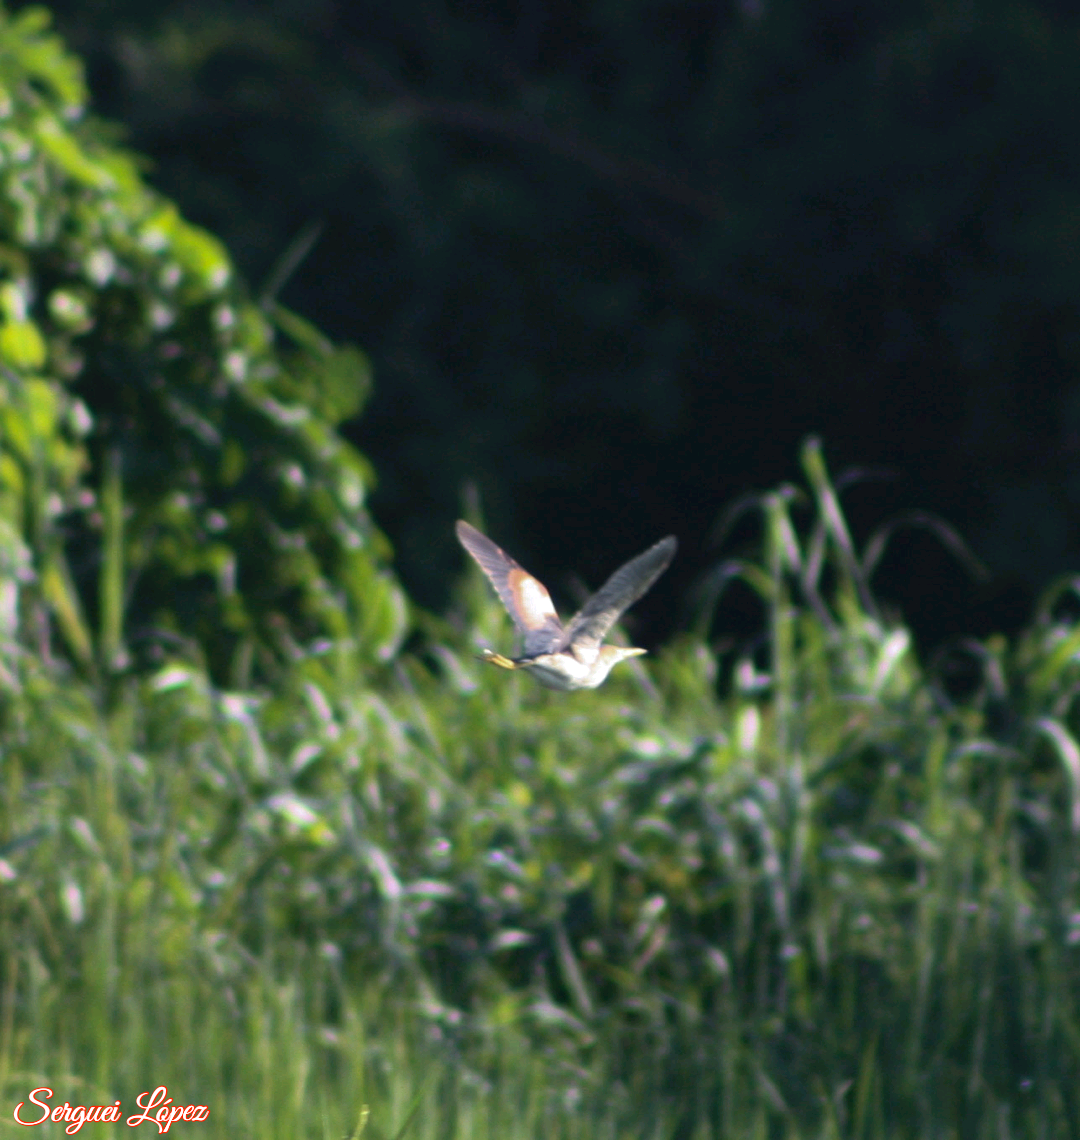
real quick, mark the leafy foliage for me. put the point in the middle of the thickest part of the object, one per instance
(808, 886)
(846, 890)
(150, 420)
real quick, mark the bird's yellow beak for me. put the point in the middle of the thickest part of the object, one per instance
(618, 653)
(493, 658)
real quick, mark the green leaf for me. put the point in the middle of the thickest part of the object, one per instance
(44, 56)
(302, 331)
(22, 345)
(62, 148)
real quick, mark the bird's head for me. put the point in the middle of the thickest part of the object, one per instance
(608, 657)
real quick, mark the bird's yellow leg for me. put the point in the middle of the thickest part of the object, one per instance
(493, 658)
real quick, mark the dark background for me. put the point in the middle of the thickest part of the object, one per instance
(614, 261)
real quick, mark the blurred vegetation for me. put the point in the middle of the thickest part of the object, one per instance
(613, 261)
(808, 885)
(156, 443)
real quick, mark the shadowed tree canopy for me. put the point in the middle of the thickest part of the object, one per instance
(613, 262)
(170, 475)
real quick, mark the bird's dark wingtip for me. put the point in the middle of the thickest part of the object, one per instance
(667, 546)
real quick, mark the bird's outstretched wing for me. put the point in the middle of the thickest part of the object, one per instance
(590, 626)
(524, 596)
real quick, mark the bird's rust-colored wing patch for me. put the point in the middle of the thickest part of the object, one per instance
(531, 601)
(525, 597)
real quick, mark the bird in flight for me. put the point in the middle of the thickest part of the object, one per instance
(572, 656)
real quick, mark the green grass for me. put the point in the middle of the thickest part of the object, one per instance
(816, 889)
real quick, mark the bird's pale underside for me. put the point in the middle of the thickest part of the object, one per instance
(571, 656)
